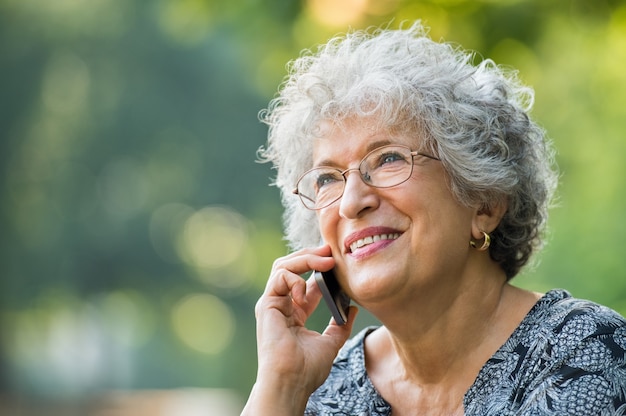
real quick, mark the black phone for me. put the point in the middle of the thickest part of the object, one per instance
(337, 300)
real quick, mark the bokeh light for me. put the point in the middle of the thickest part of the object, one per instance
(186, 21)
(128, 317)
(212, 237)
(337, 13)
(66, 347)
(203, 322)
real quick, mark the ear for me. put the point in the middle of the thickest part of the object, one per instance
(487, 218)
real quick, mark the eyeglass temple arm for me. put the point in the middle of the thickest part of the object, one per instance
(416, 153)
(296, 192)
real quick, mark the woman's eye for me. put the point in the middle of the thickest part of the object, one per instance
(391, 157)
(327, 178)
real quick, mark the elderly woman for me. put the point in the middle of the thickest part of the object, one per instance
(428, 185)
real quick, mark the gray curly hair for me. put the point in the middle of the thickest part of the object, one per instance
(473, 117)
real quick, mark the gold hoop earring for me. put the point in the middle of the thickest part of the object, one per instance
(486, 242)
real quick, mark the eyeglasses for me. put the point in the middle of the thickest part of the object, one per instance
(384, 167)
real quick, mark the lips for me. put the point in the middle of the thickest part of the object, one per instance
(369, 236)
(372, 239)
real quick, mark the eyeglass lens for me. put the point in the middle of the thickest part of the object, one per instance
(383, 167)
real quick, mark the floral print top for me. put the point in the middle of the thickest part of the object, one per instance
(567, 357)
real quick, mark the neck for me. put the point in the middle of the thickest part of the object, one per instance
(444, 337)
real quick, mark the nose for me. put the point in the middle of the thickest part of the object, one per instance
(358, 197)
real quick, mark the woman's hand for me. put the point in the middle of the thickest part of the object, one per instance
(293, 361)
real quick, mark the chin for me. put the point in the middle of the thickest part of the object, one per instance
(366, 287)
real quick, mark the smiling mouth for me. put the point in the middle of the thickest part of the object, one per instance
(372, 239)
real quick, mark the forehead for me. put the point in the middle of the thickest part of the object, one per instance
(338, 144)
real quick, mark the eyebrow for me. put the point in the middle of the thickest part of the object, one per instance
(370, 147)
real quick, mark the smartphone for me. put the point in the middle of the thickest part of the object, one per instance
(337, 300)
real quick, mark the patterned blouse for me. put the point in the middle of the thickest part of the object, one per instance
(567, 357)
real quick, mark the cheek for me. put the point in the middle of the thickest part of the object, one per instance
(435, 212)
(433, 191)
(327, 224)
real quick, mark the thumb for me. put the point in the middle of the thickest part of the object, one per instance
(339, 334)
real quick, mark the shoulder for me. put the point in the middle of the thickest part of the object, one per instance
(568, 322)
(585, 338)
(584, 356)
(568, 356)
(348, 390)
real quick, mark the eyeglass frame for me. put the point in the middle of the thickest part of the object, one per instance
(343, 173)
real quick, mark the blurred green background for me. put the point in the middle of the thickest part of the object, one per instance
(137, 230)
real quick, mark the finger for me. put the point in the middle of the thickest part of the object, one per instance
(279, 297)
(323, 250)
(288, 294)
(286, 271)
(283, 282)
(286, 288)
(302, 261)
(339, 334)
(313, 296)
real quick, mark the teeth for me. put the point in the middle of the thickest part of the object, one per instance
(372, 239)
